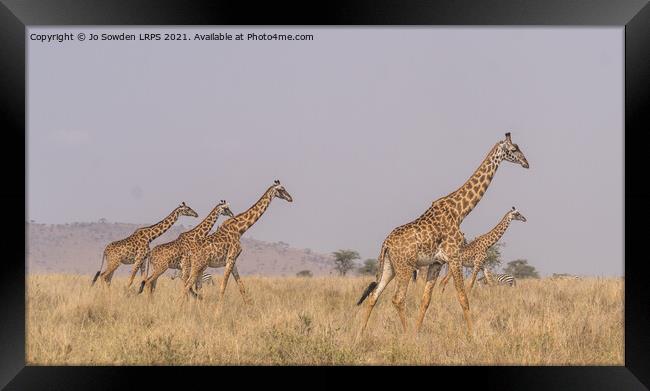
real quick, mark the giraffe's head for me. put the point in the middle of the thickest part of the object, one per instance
(224, 208)
(516, 215)
(280, 192)
(185, 210)
(511, 152)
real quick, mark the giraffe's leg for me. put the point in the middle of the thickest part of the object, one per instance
(477, 267)
(242, 290)
(185, 268)
(111, 265)
(226, 274)
(443, 282)
(399, 298)
(146, 281)
(195, 271)
(151, 281)
(109, 278)
(488, 276)
(134, 271)
(198, 284)
(457, 274)
(139, 260)
(432, 277)
(231, 257)
(387, 275)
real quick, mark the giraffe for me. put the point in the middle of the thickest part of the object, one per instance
(435, 238)
(474, 254)
(133, 249)
(171, 254)
(222, 247)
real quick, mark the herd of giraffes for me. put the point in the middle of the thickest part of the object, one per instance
(193, 251)
(431, 240)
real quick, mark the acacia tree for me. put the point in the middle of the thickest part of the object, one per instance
(344, 260)
(304, 273)
(520, 268)
(493, 259)
(369, 267)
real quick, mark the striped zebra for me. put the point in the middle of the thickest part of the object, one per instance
(206, 278)
(500, 279)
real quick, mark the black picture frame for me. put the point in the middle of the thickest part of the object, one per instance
(633, 15)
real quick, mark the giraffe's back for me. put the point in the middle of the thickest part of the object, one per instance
(123, 249)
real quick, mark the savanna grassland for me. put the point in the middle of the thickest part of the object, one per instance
(314, 321)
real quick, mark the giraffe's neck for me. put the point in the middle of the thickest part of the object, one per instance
(243, 221)
(470, 193)
(202, 229)
(153, 231)
(490, 238)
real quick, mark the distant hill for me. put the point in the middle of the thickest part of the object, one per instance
(77, 248)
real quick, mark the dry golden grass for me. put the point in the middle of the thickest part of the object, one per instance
(315, 320)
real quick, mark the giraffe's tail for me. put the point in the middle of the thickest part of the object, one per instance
(373, 285)
(100, 269)
(367, 292)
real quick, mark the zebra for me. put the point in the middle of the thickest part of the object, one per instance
(206, 278)
(501, 279)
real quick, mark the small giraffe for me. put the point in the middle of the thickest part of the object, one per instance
(133, 249)
(435, 238)
(171, 254)
(224, 246)
(474, 254)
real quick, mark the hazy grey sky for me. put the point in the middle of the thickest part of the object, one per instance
(365, 127)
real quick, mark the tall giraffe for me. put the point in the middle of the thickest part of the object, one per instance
(435, 238)
(224, 246)
(133, 249)
(474, 254)
(172, 254)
